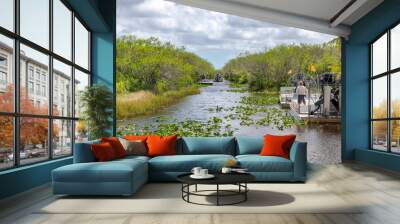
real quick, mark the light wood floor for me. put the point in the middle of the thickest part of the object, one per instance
(377, 188)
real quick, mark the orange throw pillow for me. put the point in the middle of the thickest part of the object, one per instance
(116, 145)
(161, 145)
(275, 145)
(103, 152)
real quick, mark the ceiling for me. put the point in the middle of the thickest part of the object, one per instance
(333, 17)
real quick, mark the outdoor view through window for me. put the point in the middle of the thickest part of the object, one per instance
(40, 82)
(193, 72)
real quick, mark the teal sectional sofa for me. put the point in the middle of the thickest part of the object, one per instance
(125, 176)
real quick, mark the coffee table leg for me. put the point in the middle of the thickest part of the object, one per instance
(217, 194)
(245, 193)
(188, 189)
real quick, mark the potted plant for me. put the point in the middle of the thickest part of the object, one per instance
(96, 102)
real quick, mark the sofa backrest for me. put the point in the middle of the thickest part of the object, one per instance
(240, 145)
(249, 144)
(207, 145)
(83, 152)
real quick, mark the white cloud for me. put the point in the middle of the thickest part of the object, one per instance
(205, 31)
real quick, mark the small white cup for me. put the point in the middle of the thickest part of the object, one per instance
(203, 172)
(226, 170)
(196, 171)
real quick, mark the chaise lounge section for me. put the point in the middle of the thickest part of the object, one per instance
(88, 177)
(125, 176)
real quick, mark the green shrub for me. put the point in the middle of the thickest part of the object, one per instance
(97, 104)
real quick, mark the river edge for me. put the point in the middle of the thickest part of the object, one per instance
(145, 103)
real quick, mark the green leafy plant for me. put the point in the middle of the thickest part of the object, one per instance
(97, 103)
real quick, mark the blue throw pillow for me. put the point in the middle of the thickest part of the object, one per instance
(208, 145)
(249, 144)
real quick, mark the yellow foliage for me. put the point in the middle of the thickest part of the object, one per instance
(380, 127)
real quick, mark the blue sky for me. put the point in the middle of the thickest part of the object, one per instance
(214, 36)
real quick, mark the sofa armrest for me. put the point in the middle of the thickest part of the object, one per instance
(83, 152)
(298, 155)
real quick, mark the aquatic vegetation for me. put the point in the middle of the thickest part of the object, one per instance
(261, 99)
(212, 127)
(278, 119)
(257, 109)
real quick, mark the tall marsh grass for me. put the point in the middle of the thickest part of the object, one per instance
(147, 103)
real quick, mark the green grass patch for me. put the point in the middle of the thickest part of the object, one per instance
(143, 103)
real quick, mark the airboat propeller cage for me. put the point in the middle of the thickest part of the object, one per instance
(324, 95)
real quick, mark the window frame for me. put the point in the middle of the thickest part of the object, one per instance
(388, 74)
(16, 114)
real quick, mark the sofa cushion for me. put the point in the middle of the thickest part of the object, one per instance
(132, 158)
(249, 145)
(185, 163)
(112, 171)
(208, 145)
(257, 163)
(103, 152)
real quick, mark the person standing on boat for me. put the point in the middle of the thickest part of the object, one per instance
(301, 92)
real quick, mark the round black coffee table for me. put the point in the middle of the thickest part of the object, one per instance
(238, 179)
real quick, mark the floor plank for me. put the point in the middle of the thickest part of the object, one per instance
(378, 190)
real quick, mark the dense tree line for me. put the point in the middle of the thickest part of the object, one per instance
(273, 68)
(149, 64)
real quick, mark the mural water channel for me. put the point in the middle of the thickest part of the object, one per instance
(231, 111)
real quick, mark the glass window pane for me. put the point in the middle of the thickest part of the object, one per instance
(379, 98)
(62, 29)
(81, 45)
(62, 138)
(35, 21)
(62, 89)
(395, 136)
(6, 142)
(34, 97)
(7, 14)
(33, 140)
(6, 74)
(379, 135)
(81, 82)
(395, 94)
(395, 47)
(379, 55)
(81, 131)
